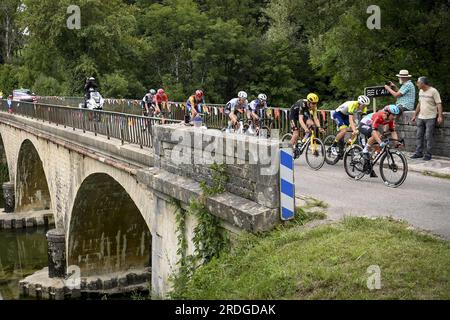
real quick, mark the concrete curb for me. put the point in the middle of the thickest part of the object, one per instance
(438, 166)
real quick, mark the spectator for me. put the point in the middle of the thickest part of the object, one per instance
(428, 108)
(9, 102)
(406, 95)
(1, 94)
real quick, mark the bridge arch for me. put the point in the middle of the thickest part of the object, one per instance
(32, 190)
(4, 169)
(107, 231)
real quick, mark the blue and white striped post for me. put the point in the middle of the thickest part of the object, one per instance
(287, 186)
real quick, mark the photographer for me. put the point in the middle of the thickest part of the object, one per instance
(406, 95)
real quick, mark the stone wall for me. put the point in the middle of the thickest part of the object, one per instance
(408, 130)
(251, 163)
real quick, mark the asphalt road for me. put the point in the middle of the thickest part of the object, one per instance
(422, 201)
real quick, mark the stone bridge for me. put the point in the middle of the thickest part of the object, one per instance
(112, 200)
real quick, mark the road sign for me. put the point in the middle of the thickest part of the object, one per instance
(373, 92)
(287, 186)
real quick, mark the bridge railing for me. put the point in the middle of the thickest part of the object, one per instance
(213, 115)
(126, 127)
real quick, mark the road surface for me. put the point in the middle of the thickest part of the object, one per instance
(423, 201)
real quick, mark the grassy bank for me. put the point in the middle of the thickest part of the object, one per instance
(328, 262)
(436, 174)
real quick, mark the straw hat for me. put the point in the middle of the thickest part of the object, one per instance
(404, 74)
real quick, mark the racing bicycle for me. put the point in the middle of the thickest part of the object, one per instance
(393, 163)
(312, 146)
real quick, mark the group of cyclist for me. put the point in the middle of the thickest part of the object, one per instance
(239, 108)
(303, 115)
(155, 103)
(236, 109)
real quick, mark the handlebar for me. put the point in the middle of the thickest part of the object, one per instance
(388, 140)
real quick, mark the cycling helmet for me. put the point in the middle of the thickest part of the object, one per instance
(199, 94)
(364, 100)
(152, 91)
(312, 97)
(160, 91)
(262, 97)
(91, 79)
(392, 108)
(242, 94)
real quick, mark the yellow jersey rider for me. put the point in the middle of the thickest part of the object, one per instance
(344, 117)
(303, 114)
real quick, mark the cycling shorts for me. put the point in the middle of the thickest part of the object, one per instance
(342, 120)
(295, 125)
(365, 129)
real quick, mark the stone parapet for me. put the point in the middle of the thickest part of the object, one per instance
(407, 129)
(251, 162)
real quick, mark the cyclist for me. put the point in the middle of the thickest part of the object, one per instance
(303, 114)
(256, 110)
(195, 103)
(160, 99)
(147, 102)
(369, 127)
(344, 117)
(236, 107)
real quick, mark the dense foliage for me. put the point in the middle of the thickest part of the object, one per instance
(284, 48)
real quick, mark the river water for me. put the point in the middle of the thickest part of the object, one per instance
(22, 252)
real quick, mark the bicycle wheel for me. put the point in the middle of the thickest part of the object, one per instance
(329, 157)
(315, 154)
(393, 168)
(354, 162)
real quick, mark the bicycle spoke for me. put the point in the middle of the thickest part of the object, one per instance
(354, 162)
(393, 168)
(329, 157)
(315, 153)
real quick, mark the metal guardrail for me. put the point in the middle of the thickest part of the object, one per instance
(126, 127)
(213, 118)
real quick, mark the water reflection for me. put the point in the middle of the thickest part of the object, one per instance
(22, 252)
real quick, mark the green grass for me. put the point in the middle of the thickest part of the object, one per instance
(328, 262)
(436, 174)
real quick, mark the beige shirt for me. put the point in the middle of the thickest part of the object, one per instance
(428, 103)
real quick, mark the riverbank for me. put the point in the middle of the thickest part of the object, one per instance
(335, 260)
(31, 219)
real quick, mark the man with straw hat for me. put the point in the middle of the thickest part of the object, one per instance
(406, 95)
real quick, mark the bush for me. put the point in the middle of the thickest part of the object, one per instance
(135, 89)
(47, 86)
(8, 79)
(115, 86)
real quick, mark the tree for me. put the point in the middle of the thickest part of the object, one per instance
(10, 34)
(356, 56)
(106, 42)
